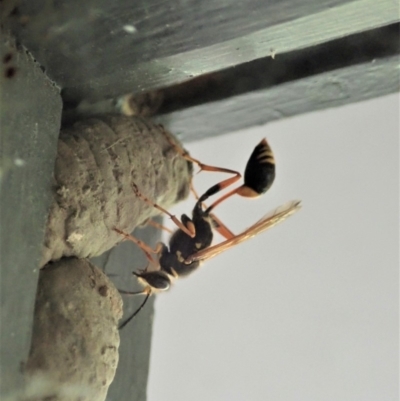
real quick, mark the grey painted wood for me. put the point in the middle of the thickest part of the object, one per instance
(250, 93)
(308, 30)
(329, 89)
(130, 382)
(98, 49)
(30, 108)
(268, 72)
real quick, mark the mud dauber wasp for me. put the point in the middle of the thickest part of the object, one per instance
(191, 243)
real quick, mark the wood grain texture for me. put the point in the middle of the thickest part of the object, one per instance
(268, 72)
(329, 89)
(308, 30)
(99, 49)
(30, 107)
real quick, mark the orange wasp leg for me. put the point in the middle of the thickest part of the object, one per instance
(188, 230)
(217, 223)
(219, 226)
(224, 197)
(154, 224)
(243, 190)
(202, 166)
(260, 162)
(144, 247)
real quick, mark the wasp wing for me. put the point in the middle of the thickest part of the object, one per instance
(270, 220)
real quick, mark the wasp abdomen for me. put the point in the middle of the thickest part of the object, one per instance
(260, 170)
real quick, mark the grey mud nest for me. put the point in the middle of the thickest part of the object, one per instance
(75, 339)
(98, 162)
(74, 350)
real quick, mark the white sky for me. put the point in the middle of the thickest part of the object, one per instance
(308, 310)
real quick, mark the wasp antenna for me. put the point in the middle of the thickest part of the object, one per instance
(132, 293)
(122, 325)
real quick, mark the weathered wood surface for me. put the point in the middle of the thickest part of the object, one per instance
(30, 112)
(347, 70)
(98, 49)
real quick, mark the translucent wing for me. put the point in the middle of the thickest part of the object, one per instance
(270, 220)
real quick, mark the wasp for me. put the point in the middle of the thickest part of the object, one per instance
(190, 244)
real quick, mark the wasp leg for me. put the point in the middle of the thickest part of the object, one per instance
(187, 230)
(221, 227)
(153, 223)
(146, 291)
(258, 177)
(195, 194)
(202, 166)
(144, 247)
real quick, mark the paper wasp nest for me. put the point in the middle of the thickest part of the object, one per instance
(75, 339)
(98, 161)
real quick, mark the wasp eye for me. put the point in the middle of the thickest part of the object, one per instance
(157, 280)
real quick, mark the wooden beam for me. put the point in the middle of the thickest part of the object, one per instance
(101, 49)
(30, 116)
(329, 89)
